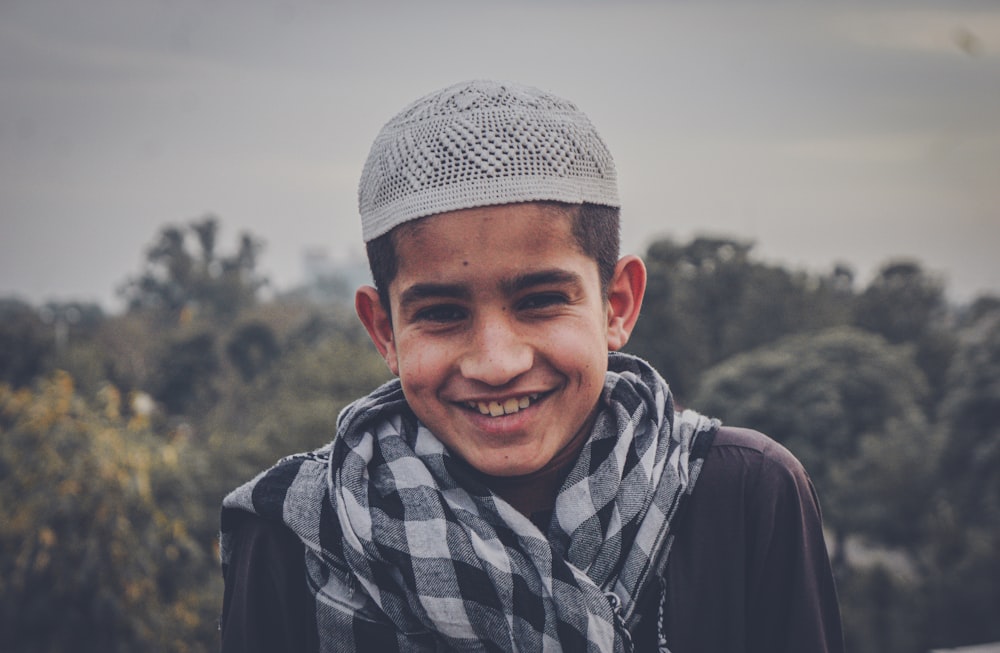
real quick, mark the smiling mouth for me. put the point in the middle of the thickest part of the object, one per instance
(505, 407)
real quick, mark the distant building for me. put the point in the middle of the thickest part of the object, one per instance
(331, 280)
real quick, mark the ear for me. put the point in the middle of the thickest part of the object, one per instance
(625, 292)
(378, 324)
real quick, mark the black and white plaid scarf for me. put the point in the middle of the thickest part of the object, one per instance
(407, 550)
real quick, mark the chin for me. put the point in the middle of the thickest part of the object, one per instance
(503, 465)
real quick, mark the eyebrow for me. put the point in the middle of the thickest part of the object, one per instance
(554, 276)
(421, 291)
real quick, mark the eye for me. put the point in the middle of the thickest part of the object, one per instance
(441, 313)
(542, 300)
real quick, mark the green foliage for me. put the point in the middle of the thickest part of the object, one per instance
(855, 410)
(881, 612)
(981, 307)
(970, 411)
(850, 407)
(186, 370)
(901, 302)
(708, 300)
(94, 553)
(109, 508)
(252, 348)
(121, 351)
(25, 343)
(176, 280)
(962, 554)
(905, 304)
(293, 404)
(961, 564)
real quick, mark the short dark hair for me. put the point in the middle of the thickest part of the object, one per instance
(596, 229)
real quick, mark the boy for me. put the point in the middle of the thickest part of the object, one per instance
(521, 485)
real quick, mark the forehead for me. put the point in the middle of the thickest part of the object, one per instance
(486, 240)
(550, 222)
(543, 214)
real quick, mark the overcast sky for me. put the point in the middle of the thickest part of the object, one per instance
(823, 131)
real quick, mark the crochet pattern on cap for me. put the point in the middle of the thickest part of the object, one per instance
(482, 143)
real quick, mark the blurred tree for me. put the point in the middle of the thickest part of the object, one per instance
(901, 302)
(178, 281)
(963, 556)
(66, 318)
(94, 551)
(881, 612)
(25, 343)
(288, 407)
(74, 325)
(186, 373)
(252, 348)
(293, 404)
(128, 344)
(970, 412)
(981, 307)
(708, 300)
(35, 341)
(906, 305)
(851, 408)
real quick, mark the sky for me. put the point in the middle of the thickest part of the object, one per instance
(824, 132)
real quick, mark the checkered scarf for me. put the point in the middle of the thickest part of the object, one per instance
(399, 531)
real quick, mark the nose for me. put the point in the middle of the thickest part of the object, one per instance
(497, 353)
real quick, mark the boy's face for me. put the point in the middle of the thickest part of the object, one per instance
(500, 331)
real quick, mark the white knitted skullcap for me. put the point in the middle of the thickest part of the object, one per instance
(482, 143)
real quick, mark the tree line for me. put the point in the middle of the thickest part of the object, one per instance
(119, 434)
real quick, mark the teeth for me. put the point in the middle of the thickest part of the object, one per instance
(506, 407)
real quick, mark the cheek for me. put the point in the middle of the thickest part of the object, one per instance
(583, 352)
(580, 366)
(420, 365)
(579, 342)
